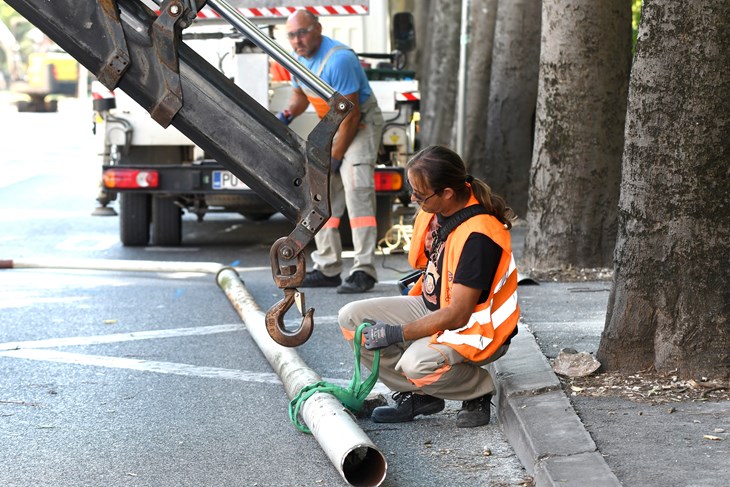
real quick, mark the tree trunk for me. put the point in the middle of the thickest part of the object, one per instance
(512, 98)
(581, 109)
(482, 17)
(438, 74)
(670, 302)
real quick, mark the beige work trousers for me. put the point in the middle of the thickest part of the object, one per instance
(441, 370)
(353, 187)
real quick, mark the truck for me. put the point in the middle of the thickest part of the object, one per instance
(139, 48)
(157, 174)
(48, 71)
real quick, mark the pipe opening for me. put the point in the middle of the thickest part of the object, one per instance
(364, 466)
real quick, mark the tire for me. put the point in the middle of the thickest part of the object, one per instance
(134, 219)
(23, 106)
(166, 222)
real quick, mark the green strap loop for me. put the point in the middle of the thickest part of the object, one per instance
(352, 398)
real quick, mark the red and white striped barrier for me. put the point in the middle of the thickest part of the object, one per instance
(407, 96)
(284, 12)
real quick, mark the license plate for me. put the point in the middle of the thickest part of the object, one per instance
(226, 180)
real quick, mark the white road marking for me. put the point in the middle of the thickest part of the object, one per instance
(121, 337)
(160, 367)
(37, 350)
(142, 365)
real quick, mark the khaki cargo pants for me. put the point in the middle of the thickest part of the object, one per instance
(419, 365)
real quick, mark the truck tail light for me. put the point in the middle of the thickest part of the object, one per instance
(388, 180)
(130, 178)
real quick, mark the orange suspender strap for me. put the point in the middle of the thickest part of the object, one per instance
(321, 106)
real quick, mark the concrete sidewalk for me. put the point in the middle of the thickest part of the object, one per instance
(598, 440)
(594, 436)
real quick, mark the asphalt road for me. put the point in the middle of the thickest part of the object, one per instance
(151, 379)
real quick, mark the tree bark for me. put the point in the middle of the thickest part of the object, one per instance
(512, 98)
(575, 174)
(438, 74)
(482, 19)
(670, 303)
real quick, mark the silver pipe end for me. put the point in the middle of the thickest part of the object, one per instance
(364, 466)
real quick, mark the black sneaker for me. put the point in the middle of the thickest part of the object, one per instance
(408, 406)
(316, 279)
(476, 412)
(357, 282)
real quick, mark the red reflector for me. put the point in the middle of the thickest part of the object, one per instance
(130, 179)
(388, 181)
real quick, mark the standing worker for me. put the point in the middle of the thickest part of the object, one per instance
(354, 152)
(462, 311)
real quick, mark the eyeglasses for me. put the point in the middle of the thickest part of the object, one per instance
(300, 33)
(418, 199)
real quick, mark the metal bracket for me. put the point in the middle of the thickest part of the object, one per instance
(166, 37)
(319, 146)
(117, 62)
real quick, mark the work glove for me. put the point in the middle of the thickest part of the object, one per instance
(335, 164)
(380, 335)
(285, 116)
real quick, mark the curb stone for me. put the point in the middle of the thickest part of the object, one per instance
(540, 422)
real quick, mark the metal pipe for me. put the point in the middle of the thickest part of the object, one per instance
(272, 48)
(269, 46)
(119, 265)
(350, 450)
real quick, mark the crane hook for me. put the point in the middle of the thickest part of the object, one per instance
(288, 277)
(275, 320)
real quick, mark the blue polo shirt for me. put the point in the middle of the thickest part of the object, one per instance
(342, 71)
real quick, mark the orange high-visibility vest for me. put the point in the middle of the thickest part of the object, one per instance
(492, 322)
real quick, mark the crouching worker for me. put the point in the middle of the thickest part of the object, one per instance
(462, 311)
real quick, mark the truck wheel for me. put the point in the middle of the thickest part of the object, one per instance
(23, 106)
(134, 219)
(166, 222)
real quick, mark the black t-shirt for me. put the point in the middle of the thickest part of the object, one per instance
(476, 269)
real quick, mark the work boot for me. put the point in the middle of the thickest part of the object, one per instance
(475, 412)
(357, 282)
(408, 406)
(316, 279)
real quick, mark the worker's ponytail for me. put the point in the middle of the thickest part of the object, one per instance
(440, 168)
(495, 204)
